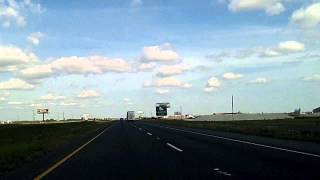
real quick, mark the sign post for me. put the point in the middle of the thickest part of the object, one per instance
(42, 111)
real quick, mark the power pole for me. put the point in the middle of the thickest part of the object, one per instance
(232, 107)
(63, 115)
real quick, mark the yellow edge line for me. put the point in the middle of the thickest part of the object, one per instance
(50, 169)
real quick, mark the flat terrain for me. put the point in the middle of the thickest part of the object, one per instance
(146, 150)
(21, 144)
(304, 129)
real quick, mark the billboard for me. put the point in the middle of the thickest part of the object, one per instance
(161, 109)
(42, 111)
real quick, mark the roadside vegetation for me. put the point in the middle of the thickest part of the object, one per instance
(21, 143)
(304, 129)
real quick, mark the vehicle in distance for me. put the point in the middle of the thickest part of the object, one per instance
(130, 115)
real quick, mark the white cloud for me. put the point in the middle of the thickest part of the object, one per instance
(160, 53)
(168, 82)
(37, 72)
(10, 55)
(126, 99)
(271, 7)
(307, 17)
(260, 80)
(88, 94)
(172, 70)
(314, 77)
(283, 48)
(76, 65)
(291, 46)
(52, 97)
(68, 104)
(15, 103)
(231, 75)
(15, 84)
(212, 84)
(14, 12)
(162, 91)
(146, 66)
(34, 38)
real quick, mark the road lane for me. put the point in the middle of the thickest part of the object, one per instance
(125, 152)
(137, 150)
(243, 160)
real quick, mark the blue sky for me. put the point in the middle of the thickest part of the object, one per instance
(107, 57)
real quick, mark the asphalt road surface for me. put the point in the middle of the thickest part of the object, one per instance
(138, 150)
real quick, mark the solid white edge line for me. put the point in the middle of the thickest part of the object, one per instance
(244, 142)
(174, 147)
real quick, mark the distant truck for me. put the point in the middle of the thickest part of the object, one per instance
(130, 115)
(85, 117)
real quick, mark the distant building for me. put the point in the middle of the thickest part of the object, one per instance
(316, 110)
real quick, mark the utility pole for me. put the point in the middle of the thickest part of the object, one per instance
(63, 115)
(232, 107)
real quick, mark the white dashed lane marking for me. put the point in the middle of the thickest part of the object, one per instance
(217, 170)
(174, 147)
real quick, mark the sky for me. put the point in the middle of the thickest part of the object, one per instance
(107, 57)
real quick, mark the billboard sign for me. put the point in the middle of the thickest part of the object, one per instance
(161, 109)
(42, 111)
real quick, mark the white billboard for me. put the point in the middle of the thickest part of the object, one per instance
(42, 111)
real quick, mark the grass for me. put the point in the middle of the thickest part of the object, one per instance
(21, 143)
(304, 129)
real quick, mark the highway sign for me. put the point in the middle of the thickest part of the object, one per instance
(161, 109)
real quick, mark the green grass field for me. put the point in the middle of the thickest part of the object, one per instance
(305, 129)
(22, 143)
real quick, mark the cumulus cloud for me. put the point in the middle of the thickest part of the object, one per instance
(168, 82)
(34, 38)
(52, 97)
(259, 80)
(10, 56)
(172, 70)
(88, 94)
(231, 76)
(15, 84)
(76, 65)
(162, 91)
(14, 12)
(271, 7)
(314, 77)
(283, 48)
(212, 84)
(146, 66)
(307, 17)
(160, 53)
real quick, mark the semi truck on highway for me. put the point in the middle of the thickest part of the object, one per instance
(130, 115)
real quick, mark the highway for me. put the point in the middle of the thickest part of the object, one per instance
(139, 150)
